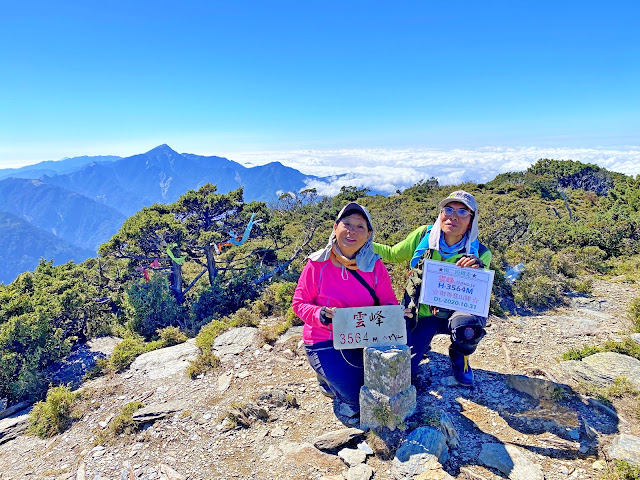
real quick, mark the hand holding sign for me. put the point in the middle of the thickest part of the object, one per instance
(449, 286)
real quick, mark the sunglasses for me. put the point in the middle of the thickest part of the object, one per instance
(460, 212)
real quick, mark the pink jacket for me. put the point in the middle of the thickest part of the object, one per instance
(321, 284)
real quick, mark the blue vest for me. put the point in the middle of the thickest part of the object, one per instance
(423, 246)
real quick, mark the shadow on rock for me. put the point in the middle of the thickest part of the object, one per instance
(563, 424)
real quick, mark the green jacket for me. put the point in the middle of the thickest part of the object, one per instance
(403, 251)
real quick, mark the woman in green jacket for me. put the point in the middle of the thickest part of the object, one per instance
(452, 238)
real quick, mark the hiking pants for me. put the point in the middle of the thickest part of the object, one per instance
(465, 329)
(344, 374)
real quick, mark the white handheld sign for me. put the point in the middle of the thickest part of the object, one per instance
(359, 327)
(464, 289)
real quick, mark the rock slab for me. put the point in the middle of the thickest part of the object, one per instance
(603, 368)
(509, 460)
(535, 387)
(234, 341)
(337, 438)
(626, 448)
(11, 427)
(155, 412)
(165, 362)
(360, 472)
(424, 450)
(352, 456)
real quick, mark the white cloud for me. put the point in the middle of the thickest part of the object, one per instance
(389, 169)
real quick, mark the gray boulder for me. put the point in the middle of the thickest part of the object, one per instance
(337, 438)
(13, 426)
(424, 450)
(536, 387)
(360, 472)
(510, 461)
(352, 456)
(603, 368)
(155, 412)
(235, 341)
(626, 448)
(165, 362)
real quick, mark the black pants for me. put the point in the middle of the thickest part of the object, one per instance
(465, 329)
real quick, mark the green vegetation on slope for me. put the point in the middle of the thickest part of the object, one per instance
(564, 220)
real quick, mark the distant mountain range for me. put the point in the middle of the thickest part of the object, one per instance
(66, 209)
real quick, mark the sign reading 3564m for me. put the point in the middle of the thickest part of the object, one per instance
(464, 289)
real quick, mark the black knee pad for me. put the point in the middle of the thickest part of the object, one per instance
(469, 334)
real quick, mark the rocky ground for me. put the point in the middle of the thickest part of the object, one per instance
(279, 414)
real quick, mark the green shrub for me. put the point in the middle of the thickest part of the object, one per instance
(170, 336)
(126, 352)
(592, 259)
(208, 334)
(634, 314)
(622, 471)
(275, 299)
(154, 307)
(42, 314)
(243, 317)
(583, 286)
(580, 353)
(537, 291)
(283, 296)
(53, 415)
(626, 266)
(204, 362)
(209, 304)
(238, 290)
(269, 334)
(124, 422)
(627, 347)
(259, 308)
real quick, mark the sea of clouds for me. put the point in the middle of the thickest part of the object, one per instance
(387, 170)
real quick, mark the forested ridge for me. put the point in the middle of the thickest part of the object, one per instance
(210, 259)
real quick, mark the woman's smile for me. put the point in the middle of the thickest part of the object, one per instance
(352, 233)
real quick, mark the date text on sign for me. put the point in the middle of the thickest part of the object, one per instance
(464, 289)
(360, 327)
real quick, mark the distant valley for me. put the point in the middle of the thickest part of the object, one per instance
(66, 209)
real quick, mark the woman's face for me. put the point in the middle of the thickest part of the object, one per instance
(351, 234)
(454, 225)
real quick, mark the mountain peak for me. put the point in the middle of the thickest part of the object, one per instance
(161, 149)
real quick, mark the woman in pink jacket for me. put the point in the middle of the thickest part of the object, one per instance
(329, 281)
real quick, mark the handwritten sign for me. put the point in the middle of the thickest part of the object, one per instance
(360, 327)
(464, 289)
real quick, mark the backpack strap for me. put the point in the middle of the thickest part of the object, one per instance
(364, 283)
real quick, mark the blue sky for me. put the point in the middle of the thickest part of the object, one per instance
(224, 78)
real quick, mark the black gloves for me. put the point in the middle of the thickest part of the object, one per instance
(323, 317)
(412, 322)
(479, 262)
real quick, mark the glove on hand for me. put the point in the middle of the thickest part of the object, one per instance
(479, 262)
(412, 322)
(323, 317)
